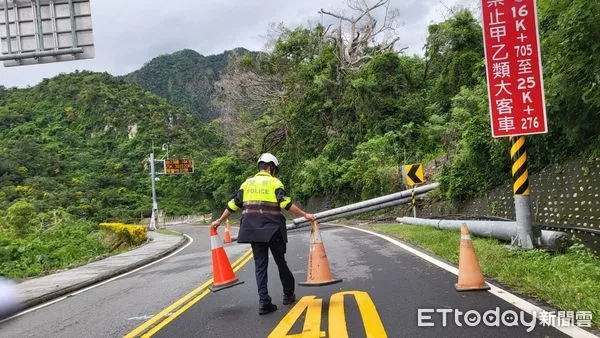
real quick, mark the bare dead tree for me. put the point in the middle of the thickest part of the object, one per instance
(360, 36)
(274, 31)
(243, 93)
(241, 88)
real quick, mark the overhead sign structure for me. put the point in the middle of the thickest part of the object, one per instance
(414, 174)
(514, 68)
(44, 31)
(179, 166)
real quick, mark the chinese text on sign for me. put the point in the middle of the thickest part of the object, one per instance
(514, 69)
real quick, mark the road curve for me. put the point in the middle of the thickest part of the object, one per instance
(118, 307)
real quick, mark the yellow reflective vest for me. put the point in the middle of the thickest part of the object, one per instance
(261, 199)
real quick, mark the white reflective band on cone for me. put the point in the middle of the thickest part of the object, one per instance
(465, 237)
(215, 242)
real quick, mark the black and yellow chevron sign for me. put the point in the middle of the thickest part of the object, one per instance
(520, 174)
(414, 174)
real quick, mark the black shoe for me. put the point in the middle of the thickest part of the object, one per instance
(267, 308)
(287, 300)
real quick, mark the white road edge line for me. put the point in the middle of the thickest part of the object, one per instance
(191, 240)
(520, 303)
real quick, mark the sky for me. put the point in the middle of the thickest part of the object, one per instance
(129, 33)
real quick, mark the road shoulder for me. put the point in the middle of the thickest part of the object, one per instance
(39, 290)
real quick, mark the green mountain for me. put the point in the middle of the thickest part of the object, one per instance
(79, 143)
(186, 78)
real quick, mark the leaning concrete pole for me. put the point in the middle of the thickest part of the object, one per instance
(525, 238)
(364, 206)
(502, 230)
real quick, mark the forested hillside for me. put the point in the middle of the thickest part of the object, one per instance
(78, 145)
(343, 114)
(186, 78)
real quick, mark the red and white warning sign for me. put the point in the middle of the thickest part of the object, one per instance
(514, 67)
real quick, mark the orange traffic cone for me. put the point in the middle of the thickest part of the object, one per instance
(227, 236)
(223, 275)
(318, 272)
(469, 273)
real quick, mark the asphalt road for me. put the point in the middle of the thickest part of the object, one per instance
(383, 289)
(388, 283)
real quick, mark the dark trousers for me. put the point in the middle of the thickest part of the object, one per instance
(261, 262)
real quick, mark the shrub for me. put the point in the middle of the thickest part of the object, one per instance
(127, 233)
(19, 216)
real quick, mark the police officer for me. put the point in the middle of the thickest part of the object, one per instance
(261, 199)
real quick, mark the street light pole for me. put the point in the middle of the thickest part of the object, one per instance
(165, 146)
(154, 220)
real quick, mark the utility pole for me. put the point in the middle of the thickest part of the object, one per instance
(154, 220)
(526, 237)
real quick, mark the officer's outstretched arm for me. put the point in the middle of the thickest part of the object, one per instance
(232, 206)
(219, 220)
(301, 213)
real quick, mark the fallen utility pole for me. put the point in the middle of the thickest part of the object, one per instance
(365, 206)
(354, 212)
(504, 230)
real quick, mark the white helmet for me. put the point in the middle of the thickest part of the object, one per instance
(268, 158)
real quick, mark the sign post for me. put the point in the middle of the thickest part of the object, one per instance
(515, 91)
(170, 166)
(413, 175)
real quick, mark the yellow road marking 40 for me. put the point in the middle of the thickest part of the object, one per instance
(337, 317)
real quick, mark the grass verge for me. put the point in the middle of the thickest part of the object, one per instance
(169, 232)
(63, 246)
(45, 250)
(569, 282)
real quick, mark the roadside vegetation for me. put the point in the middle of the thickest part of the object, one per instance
(568, 281)
(42, 251)
(126, 234)
(31, 246)
(169, 232)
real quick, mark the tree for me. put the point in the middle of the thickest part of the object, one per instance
(244, 93)
(20, 216)
(570, 34)
(454, 51)
(360, 36)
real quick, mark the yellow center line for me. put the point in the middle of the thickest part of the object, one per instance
(243, 259)
(184, 308)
